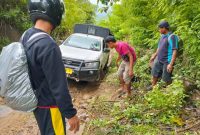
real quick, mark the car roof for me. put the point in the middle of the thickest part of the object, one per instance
(87, 35)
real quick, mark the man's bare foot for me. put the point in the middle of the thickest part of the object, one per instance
(121, 90)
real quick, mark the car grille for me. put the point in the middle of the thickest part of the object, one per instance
(71, 62)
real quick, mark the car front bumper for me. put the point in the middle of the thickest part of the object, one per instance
(89, 75)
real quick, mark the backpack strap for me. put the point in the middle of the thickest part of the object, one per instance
(22, 37)
(34, 38)
(31, 41)
(170, 37)
(177, 38)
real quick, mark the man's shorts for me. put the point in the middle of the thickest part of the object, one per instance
(159, 70)
(123, 71)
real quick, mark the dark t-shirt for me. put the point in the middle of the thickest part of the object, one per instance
(166, 45)
(46, 68)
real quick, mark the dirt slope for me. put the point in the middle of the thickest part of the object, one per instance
(18, 123)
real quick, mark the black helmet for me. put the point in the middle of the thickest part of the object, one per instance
(110, 39)
(49, 10)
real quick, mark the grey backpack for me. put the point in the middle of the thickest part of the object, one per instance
(15, 85)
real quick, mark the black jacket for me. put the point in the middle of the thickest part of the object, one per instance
(46, 68)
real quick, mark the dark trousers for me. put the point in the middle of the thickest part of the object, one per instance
(50, 121)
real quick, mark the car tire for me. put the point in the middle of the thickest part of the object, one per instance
(100, 77)
(102, 73)
(106, 67)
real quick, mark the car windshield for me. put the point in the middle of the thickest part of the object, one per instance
(79, 41)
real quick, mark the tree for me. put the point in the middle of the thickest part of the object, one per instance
(15, 13)
(76, 11)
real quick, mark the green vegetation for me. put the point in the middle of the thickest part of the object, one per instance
(15, 13)
(161, 110)
(3, 41)
(149, 112)
(138, 25)
(76, 11)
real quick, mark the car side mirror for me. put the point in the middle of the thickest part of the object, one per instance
(107, 50)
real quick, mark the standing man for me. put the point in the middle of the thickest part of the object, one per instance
(165, 56)
(47, 72)
(128, 56)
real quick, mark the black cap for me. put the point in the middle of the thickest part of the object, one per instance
(110, 39)
(164, 24)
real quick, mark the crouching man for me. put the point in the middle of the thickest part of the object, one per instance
(125, 69)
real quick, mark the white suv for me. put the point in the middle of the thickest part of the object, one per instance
(85, 56)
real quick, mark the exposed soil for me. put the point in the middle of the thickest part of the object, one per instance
(19, 123)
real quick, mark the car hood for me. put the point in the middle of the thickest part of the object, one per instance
(79, 53)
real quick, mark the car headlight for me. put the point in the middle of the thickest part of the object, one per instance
(91, 65)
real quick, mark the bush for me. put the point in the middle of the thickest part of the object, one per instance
(151, 111)
(169, 98)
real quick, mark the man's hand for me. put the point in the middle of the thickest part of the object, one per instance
(118, 60)
(152, 58)
(151, 62)
(169, 68)
(74, 124)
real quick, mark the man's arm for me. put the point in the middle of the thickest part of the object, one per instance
(174, 44)
(53, 69)
(118, 60)
(154, 56)
(131, 63)
(171, 64)
(174, 55)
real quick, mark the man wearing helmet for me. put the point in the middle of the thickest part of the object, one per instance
(47, 70)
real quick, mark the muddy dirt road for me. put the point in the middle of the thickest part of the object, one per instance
(18, 123)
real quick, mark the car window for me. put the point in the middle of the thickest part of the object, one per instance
(83, 42)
